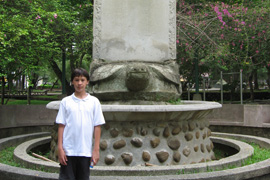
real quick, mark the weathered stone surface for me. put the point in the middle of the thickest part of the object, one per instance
(202, 148)
(119, 144)
(103, 145)
(202, 160)
(162, 156)
(176, 156)
(176, 130)
(188, 136)
(209, 133)
(191, 125)
(114, 132)
(109, 159)
(213, 157)
(173, 143)
(144, 132)
(156, 131)
(155, 142)
(185, 127)
(107, 126)
(137, 78)
(212, 145)
(127, 158)
(127, 132)
(197, 135)
(196, 148)
(186, 151)
(166, 132)
(146, 156)
(137, 142)
(204, 135)
(208, 147)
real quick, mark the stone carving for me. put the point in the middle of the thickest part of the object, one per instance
(127, 132)
(111, 81)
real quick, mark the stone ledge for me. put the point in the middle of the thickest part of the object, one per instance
(258, 170)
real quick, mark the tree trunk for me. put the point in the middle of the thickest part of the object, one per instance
(268, 79)
(3, 90)
(250, 78)
(58, 72)
(255, 77)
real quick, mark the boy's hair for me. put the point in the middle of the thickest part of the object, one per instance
(79, 72)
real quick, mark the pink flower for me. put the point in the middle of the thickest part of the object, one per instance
(253, 37)
(222, 36)
(243, 23)
(257, 51)
(80, 5)
(235, 29)
(5, 35)
(55, 15)
(206, 14)
(38, 17)
(177, 41)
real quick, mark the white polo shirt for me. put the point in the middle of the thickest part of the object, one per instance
(79, 116)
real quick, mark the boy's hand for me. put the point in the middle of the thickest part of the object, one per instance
(62, 157)
(95, 156)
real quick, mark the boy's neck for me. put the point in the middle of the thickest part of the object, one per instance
(80, 95)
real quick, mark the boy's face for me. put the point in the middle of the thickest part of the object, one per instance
(80, 83)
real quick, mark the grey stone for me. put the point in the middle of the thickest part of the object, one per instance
(103, 145)
(209, 133)
(119, 144)
(196, 148)
(173, 143)
(109, 159)
(191, 125)
(127, 158)
(144, 132)
(166, 132)
(137, 142)
(156, 131)
(162, 156)
(146, 156)
(127, 132)
(185, 127)
(208, 147)
(154, 142)
(188, 136)
(197, 134)
(107, 126)
(176, 130)
(202, 148)
(114, 132)
(176, 156)
(186, 151)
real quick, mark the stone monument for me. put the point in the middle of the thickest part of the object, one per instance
(134, 74)
(134, 51)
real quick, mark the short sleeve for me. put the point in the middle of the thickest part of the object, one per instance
(98, 116)
(60, 118)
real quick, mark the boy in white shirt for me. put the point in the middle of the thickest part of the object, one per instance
(79, 117)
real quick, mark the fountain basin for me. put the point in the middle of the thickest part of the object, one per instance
(135, 135)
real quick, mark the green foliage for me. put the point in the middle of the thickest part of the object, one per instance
(6, 157)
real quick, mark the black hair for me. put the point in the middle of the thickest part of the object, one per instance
(80, 72)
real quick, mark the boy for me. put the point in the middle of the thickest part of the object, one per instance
(79, 117)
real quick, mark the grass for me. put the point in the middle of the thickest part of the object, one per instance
(24, 102)
(6, 157)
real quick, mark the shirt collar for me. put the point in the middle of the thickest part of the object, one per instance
(78, 100)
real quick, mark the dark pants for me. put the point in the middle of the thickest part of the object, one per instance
(77, 168)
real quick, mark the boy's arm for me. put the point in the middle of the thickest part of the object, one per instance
(61, 153)
(95, 155)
